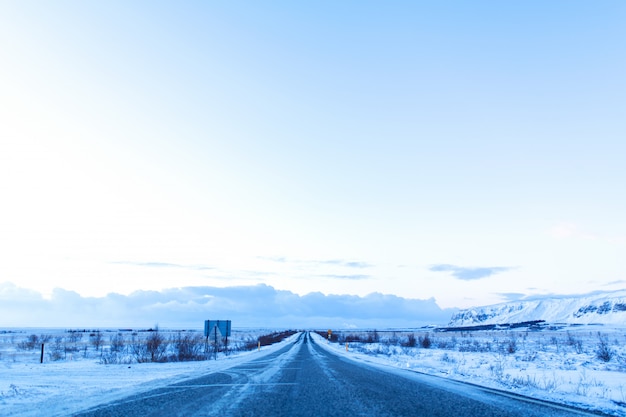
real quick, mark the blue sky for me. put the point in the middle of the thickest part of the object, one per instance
(454, 151)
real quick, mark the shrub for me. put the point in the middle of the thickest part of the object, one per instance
(188, 347)
(372, 337)
(350, 338)
(57, 352)
(152, 349)
(156, 346)
(411, 341)
(138, 350)
(511, 346)
(75, 336)
(425, 341)
(30, 342)
(275, 337)
(96, 339)
(603, 351)
(394, 339)
(577, 344)
(118, 343)
(109, 357)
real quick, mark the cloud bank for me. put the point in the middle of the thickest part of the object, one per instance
(468, 274)
(188, 307)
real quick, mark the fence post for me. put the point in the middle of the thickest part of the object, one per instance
(41, 360)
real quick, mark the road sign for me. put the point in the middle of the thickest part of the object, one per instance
(223, 326)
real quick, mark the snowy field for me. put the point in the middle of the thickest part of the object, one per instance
(582, 365)
(83, 369)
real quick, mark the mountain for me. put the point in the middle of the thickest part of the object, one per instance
(595, 308)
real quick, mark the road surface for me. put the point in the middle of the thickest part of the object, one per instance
(304, 379)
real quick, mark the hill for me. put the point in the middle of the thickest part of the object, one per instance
(596, 308)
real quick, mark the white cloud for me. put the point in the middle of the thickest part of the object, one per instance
(574, 231)
(247, 306)
(471, 273)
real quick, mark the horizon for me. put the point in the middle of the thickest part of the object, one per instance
(353, 157)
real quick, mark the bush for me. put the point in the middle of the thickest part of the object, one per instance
(75, 336)
(188, 347)
(30, 342)
(511, 346)
(118, 344)
(96, 339)
(152, 349)
(411, 341)
(577, 344)
(57, 351)
(372, 337)
(275, 337)
(345, 338)
(425, 341)
(109, 357)
(156, 346)
(603, 351)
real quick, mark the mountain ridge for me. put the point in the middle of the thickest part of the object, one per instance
(594, 308)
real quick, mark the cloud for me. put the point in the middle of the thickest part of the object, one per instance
(564, 231)
(511, 296)
(468, 274)
(352, 276)
(348, 264)
(333, 262)
(279, 259)
(165, 265)
(188, 307)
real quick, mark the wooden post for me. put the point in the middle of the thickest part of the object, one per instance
(41, 360)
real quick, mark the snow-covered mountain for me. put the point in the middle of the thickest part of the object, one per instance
(600, 308)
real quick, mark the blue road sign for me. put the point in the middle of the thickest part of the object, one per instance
(223, 326)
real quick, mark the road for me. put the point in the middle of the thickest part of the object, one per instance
(304, 379)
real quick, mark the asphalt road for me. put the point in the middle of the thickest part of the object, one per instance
(303, 379)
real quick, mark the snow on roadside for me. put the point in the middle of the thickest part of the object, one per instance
(544, 372)
(66, 387)
(555, 366)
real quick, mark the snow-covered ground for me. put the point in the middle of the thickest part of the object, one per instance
(608, 308)
(561, 365)
(79, 380)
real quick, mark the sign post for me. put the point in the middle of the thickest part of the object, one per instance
(213, 326)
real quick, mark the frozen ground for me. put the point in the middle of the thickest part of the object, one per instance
(584, 366)
(80, 380)
(561, 365)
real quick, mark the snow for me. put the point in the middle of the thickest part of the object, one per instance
(559, 365)
(76, 383)
(544, 365)
(598, 308)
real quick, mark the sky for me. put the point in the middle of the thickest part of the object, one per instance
(445, 154)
